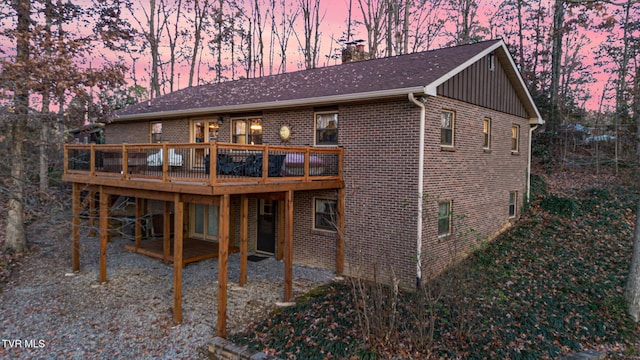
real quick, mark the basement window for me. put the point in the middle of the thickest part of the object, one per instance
(444, 218)
(325, 214)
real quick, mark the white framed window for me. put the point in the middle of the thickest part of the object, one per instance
(486, 133)
(513, 204)
(444, 218)
(326, 125)
(515, 138)
(156, 132)
(246, 131)
(447, 128)
(324, 214)
(491, 61)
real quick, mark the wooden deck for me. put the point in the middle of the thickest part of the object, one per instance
(193, 250)
(237, 169)
(206, 174)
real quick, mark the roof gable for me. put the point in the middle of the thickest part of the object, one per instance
(369, 79)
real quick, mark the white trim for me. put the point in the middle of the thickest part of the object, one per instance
(324, 100)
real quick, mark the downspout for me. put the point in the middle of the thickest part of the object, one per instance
(531, 129)
(420, 103)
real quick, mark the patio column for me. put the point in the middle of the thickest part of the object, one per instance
(244, 238)
(177, 259)
(223, 255)
(104, 234)
(75, 227)
(288, 246)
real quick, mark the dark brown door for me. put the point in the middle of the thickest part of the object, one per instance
(266, 226)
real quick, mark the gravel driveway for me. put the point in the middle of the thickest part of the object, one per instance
(46, 312)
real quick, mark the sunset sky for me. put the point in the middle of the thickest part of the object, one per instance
(333, 26)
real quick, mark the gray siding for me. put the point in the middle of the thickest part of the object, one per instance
(480, 86)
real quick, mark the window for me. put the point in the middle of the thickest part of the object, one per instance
(326, 128)
(444, 218)
(486, 133)
(247, 131)
(515, 138)
(325, 214)
(156, 132)
(513, 202)
(447, 126)
(491, 60)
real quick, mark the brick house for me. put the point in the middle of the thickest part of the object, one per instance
(432, 144)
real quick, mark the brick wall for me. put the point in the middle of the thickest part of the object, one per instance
(477, 181)
(380, 142)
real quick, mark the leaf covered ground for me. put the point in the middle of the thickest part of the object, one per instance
(553, 284)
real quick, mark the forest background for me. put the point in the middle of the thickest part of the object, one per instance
(65, 64)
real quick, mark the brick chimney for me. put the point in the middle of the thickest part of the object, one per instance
(354, 51)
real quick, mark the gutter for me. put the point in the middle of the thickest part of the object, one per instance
(420, 104)
(531, 129)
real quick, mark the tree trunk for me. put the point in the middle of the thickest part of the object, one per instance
(632, 290)
(16, 240)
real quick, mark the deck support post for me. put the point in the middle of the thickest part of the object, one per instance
(138, 221)
(244, 238)
(75, 227)
(288, 246)
(166, 231)
(177, 259)
(280, 220)
(223, 255)
(340, 233)
(104, 234)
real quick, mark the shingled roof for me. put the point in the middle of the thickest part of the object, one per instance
(369, 79)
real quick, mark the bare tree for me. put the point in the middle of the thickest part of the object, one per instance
(311, 47)
(16, 240)
(466, 24)
(174, 10)
(199, 22)
(373, 20)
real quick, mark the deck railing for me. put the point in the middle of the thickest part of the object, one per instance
(193, 162)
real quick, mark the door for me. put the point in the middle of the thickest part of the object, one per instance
(266, 242)
(204, 222)
(202, 132)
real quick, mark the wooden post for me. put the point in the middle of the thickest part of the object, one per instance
(244, 238)
(104, 234)
(92, 161)
(138, 223)
(213, 162)
(340, 231)
(307, 166)
(125, 161)
(288, 246)
(166, 231)
(177, 258)
(165, 163)
(75, 227)
(223, 254)
(280, 219)
(66, 159)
